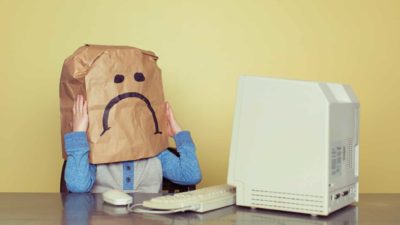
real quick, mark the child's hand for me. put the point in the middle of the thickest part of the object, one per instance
(173, 127)
(80, 118)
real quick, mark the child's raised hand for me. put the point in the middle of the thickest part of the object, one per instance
(173, 127)
(80, 118)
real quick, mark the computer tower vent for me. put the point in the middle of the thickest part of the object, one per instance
(348, 152)
(287, 201)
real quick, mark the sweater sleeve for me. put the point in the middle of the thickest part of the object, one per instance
(80, 175)
(185, 169)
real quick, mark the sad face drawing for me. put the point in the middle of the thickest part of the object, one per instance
(125, 97)
(119, 78)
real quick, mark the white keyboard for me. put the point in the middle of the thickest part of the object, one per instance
(200, 200)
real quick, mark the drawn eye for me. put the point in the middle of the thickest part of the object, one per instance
(119, 78)
(139, 77)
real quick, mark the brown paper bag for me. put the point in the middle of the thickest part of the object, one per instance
(125, 97)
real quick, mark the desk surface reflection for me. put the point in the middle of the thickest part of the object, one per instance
(85, 209)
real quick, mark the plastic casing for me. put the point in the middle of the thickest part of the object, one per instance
(294, 145)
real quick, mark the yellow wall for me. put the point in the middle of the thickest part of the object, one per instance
(203, 47)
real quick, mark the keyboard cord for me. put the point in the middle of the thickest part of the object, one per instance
(132, 208)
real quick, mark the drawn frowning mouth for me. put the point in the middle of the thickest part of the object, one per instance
(123, 96)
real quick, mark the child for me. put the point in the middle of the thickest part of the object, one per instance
(144, 175)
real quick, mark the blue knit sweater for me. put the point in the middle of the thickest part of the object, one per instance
(80, 175)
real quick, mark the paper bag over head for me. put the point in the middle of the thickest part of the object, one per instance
(125, 97)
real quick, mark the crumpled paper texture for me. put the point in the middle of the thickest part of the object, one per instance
(126, 106)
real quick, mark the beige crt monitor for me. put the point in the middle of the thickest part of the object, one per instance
(294, 145)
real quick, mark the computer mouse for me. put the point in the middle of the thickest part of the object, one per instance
(117, 197)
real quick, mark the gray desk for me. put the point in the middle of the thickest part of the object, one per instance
(77, 209)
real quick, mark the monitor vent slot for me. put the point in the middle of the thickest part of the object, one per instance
(349, 153)
(287, 201)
